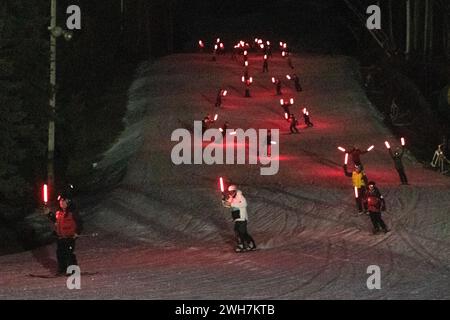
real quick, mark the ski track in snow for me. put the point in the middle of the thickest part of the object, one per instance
(163, 233)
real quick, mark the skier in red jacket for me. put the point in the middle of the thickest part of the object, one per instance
(68, 225)
(375, 203)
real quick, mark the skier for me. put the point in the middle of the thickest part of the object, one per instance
(269, 143)
(224, 128)
(294, 123)
(356, 156)
(397, 157)
(219, 98)
(375, 203)
(265, 64)
(307, 119)
(296, 80)
(359, 181)
(68, 225)
(236, 201)
(277, 84)
(206, 123)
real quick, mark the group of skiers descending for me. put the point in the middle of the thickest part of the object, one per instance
(368, 197)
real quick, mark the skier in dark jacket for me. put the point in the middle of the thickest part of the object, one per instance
(68, 225)
(375, 203)
(294, 123)
(397, 157)
(355, 153)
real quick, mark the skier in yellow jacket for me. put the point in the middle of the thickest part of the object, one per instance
(359, 181)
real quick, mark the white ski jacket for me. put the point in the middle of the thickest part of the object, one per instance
(239, 203)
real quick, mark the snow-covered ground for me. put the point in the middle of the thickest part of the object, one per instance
(163, 233)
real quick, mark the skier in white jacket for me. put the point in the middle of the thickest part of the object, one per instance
(236, 201)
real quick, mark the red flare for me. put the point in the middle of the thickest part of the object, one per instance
(45, 193)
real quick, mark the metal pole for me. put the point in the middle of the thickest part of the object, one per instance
(52, 102)
(408, 28)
